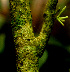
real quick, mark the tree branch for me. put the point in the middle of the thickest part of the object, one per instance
(28, 47)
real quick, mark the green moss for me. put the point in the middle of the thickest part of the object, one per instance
(28, 47)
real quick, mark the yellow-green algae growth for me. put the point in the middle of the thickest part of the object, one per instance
(28, 47)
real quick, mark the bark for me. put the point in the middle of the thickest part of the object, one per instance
(28, 46)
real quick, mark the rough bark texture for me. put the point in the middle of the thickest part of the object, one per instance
(28, 47)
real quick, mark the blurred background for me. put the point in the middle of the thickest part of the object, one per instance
(56, 57)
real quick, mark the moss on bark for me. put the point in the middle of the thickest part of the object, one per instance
(28, 47)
